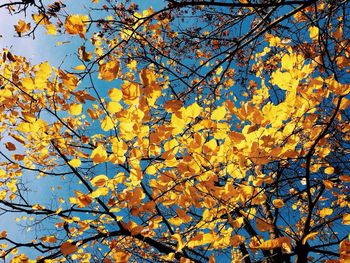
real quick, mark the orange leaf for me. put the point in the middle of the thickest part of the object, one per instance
(22, 27)
(10, 146)
(278, 203)
(120, 256)
(68, 248)
(109, 70)
(75, 24)
(283, 242)
(49, 239)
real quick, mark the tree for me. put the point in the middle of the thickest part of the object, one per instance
(197, 131)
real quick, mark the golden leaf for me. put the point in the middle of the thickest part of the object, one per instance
(99, 180)
(329, 170)
(346, 219)
(75, 162)
(82, 200)
(49, 239)
(22, 27)
(120, 256)
(131, 92)
(75, 109)
(115, 94)
(326, 212)
(219, 113)
(99, 155)
(328, 184)
(51, 29)
(278, 203)
(75, 24)
(283, 242)
(308, 236)
(180, 243)
(314, 31)
(80, 67)
(107, 124)
(109, 71)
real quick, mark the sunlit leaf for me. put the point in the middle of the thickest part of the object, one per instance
(76, 24)
(326, 212)
(308, 236)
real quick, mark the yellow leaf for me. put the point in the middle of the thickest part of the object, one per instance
(314, 31)
(326, 212)
(218, 114)
(193, 110)
(288, 61)
(346, 219)
(201, 239)
(75, 109)
(80, 67)
(75, 163)
(75, 24)
(107, 124)
(114, 107)
(20, 258)
(28, 84)
(329, 170)
(99, 180)
(180, 243)
(99, 155)
(176, 221)
(308, 236)
(40, 19)
(119, 147)
(115, 94)
(218, 71)
(101, 191)
(278, 203)
(51, 29)
(284, 80)
(68, 248)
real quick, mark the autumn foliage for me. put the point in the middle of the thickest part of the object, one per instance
(193, 131)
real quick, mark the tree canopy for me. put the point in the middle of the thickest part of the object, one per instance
(190, 131)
